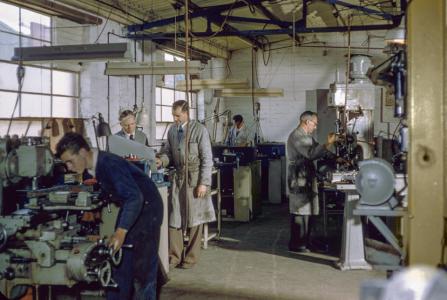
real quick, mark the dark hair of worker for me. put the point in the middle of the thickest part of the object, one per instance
(72, 142)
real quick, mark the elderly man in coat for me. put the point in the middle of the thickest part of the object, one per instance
(302, 151)
(129, 128)
(190, 204)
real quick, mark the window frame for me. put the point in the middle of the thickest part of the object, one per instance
(73, 98)
(159, 119)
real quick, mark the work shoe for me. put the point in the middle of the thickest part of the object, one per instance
(301, 249)
(186, 266)
(173, 265)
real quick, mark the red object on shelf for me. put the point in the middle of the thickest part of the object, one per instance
(91, 181)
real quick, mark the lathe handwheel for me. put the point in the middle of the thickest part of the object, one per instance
(105, 274)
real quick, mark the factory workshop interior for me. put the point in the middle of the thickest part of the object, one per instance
(223, 149)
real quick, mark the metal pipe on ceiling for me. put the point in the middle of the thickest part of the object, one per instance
(254, 33)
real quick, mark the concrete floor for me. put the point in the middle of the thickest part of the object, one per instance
(251, 261)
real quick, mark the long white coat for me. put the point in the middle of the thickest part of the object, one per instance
(200, 163)
(237, 137)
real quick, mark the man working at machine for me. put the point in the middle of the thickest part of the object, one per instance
(129, 128)
(302, 151)
(238, 135)
(139, 219)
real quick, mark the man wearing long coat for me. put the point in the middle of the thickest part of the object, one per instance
(190, 204)
(302, 151)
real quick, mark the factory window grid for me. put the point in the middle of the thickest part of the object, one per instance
(46, 91)
(165, 95)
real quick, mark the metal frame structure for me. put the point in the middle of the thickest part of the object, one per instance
(213, 14)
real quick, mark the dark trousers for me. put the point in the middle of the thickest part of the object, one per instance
(136, 275)
(299, 231)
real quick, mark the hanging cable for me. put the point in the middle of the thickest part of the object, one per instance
(294, 28)
(135, 77)
(142, 77)
(20, 74)
(108, 88)
(187, 135)
(104, 27)
(175, 29)
(230, 11)
(348, 70)
(253, 82)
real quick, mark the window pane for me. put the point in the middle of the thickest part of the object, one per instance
(179, 77)
(161, 131)
(8, 79)
(169, 81)
(193, 113)
(65, 107)
(21, 128)
(7, 101)
(35, 106)
(157, 113)
(9, 14)
(35, 129)
(166, 114)
(180, 95)
(37, 80)
(35, 25)
(7, 44)
(167, 96)
(65, 83)
(169, 57)
(9, 41)
(17, 127)
(157, 95)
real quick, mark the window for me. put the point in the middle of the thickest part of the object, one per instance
(46, 91)
(22, 27)
(164, 98)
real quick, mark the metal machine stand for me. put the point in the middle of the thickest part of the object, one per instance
(373, 214)
(214, 192)
(353, 250)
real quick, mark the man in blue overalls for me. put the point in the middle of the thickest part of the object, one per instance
(139, 218)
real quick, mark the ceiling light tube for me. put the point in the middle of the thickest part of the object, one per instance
(260, 92)
(202, 84)
(154, 68)
(85, 52)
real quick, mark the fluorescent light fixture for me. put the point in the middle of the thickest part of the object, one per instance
(396, 35)
(202, 84)
(248, 93)
(88, 52)
(154, 68)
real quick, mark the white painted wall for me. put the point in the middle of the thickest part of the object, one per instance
(215, 69)
(93, 82)
(295, 70)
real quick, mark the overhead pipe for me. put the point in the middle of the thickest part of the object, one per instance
(254, 33)
(204, 12)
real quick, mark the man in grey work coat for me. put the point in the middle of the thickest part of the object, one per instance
(302, 150)
(197, 209)
(129, 128)
(238, 134)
